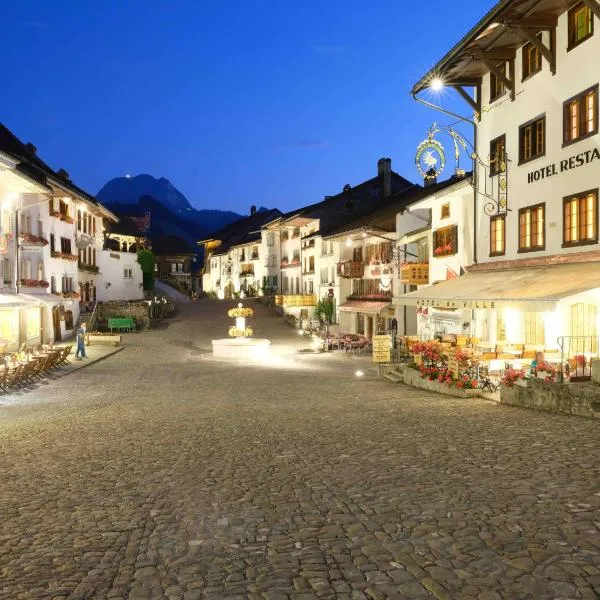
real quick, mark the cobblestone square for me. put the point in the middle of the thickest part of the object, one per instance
(160, 473)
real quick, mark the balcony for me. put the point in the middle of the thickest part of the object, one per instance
(308, 244)
(31, 239)
(351, 269)
(254, 256)
(289, 264)
(297, 300)
(89, 268)
(414, 273)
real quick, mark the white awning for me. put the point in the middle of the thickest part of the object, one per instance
(10, 300)
(537, 289)
(52, 299)
(364, 306)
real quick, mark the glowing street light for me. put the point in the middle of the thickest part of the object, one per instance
(437, 84)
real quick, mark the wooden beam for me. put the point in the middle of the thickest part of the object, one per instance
(499, 74)
(594, 6)
(547, 53)
(496, 55)
(533, 22)
(466, 97)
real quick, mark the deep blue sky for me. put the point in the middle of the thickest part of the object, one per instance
(270, 102)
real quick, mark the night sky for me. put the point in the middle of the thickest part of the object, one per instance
(269, 102)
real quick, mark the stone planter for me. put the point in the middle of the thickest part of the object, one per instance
(413, 378)
(521, 382)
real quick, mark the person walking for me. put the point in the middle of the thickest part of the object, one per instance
(80, 352)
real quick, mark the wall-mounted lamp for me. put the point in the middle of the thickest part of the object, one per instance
(107, 284)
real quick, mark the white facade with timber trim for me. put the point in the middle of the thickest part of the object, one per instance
(532, 71)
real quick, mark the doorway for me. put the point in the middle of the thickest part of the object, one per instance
(229, 291)
(56, 324)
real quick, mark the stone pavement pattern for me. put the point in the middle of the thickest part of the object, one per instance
(158, 473)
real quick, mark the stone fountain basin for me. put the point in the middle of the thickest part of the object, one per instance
(248, 348)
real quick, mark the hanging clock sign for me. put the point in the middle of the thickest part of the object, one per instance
(430, 158)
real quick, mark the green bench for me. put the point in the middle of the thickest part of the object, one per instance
(121, 324)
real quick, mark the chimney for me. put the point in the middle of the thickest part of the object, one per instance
(31, 148)
(252, 210)
(384, 171)
(63, 174)
(347, 188)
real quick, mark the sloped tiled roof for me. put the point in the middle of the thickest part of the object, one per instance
(243, 231)
(33, 166)
(383, 214)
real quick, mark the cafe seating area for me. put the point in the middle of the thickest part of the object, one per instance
(31, 365)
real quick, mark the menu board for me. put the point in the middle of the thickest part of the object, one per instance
(382, 348)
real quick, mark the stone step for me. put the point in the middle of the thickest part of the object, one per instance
(393, 377)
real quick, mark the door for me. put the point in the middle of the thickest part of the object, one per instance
(229, 291)
(56, 323)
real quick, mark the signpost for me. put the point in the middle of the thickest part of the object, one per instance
(382, 348)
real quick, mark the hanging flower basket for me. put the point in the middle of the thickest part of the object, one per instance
(444, 250)
(240, 312)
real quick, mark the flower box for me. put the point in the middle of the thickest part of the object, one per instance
(33, 283)
(64, 255)
(521, 382)
(30, 238)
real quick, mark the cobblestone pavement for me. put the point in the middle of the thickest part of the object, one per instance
(160, 473)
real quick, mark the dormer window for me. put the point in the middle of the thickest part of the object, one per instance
(532, 59)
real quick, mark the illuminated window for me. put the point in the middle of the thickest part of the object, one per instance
(8, 324)
(580, 116)
(532, 139)
(581, 219)
(445, 211)
(534, 328)
(584, 324)
(581, 24)
(498, 155)
(497, 236)
(33, 322)
(532, 59)
(531, 228)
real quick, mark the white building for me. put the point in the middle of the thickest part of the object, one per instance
(535, 98)
(435, 243)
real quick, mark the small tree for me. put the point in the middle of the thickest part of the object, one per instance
(325, 311)
(146, 261)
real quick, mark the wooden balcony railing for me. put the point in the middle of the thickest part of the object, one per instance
(297, 300)
(414, 273)
(351, 269)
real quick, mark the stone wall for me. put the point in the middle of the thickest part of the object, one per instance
(138, 310)
(579, 399)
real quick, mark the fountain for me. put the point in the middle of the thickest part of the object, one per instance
(241, 344)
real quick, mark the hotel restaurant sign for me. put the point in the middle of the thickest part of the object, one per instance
(564, 165)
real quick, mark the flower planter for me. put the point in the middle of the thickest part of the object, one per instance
(521, 382)
(413, 378)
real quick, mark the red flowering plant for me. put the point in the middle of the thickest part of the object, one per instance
(465, 382)
(511, 375)
(443, 250)
(30, 238)
(33, 283)
(546, 367)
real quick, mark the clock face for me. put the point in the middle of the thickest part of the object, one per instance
(430, 159)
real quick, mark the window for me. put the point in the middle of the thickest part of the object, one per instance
(274, 279)
(310, 287)
(445, 241)
(532, 59)
(584, 319)
(497, 87)
(580, 116)
(65, 245)
(534, 328)
(51, 242)
(531, 228)
(423, 250)
(357, 254)
(53, 284)
(497, 236)
(581, 25)
(173, 267)
(128, 273)
(532, 140)
(330, 247)
(445, 211)
(498, 155)
(67, 284)
(324, 276)
(270, 239)
(63, 208)
(580, 219)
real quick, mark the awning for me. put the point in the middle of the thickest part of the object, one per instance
(364, 306)
(53, 299)
(11, 300)
(537, 289)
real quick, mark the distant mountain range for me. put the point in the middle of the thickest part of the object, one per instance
(171, 212)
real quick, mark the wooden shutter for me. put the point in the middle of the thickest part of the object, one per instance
(435, 240)
(454, 238)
